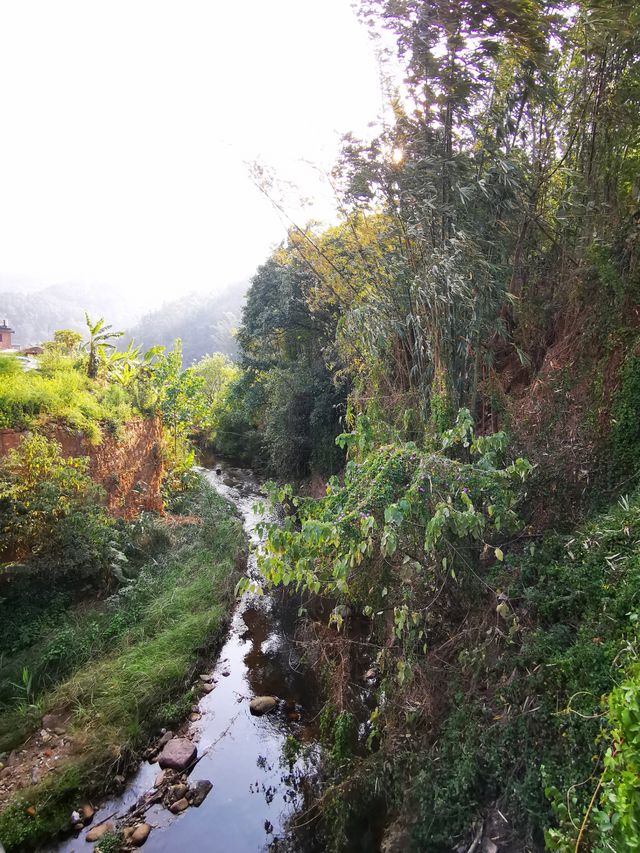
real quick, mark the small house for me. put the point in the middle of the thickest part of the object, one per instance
(6, 333)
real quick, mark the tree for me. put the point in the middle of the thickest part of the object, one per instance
(181, 401)
(65, 342)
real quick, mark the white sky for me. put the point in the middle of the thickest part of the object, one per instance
(124, 125)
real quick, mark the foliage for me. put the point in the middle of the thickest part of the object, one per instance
(403, 523)
(625, 430)
(219, 373)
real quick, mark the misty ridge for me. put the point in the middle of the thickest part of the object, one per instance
(204, 322)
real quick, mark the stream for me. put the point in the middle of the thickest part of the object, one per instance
(254, 791)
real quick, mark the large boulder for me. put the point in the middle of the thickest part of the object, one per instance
(260, 705)
(177, 754)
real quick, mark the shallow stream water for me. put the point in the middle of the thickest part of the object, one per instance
(254, 791)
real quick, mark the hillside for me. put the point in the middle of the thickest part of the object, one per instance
(203, 323)
(36, 313)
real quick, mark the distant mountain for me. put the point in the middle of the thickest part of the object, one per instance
(203, 323)
(36, 313)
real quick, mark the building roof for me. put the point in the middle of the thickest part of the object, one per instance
(5, 328)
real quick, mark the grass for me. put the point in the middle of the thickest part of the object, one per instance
(59, 390)
(138, 655)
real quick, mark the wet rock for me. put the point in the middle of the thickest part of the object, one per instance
(136, 835)
(226, 673)
(87, 812)
(179, 806)
(177, 792)
(207, 679)
(260, 705)
(194, 716)
(140, 834)
(160, 779)
(207, 688)
(97, 832)
(177, 754)
(166, 737)
(199, 792)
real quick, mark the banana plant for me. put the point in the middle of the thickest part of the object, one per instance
(99, 341)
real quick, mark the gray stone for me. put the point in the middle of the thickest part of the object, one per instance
(198, 793)
(166, 737)
(177, 754)
(260, 705)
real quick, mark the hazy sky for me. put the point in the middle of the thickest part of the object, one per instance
(125, 126)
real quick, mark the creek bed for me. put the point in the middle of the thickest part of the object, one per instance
(254, 791)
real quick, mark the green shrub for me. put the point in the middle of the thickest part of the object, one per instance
(50, 512)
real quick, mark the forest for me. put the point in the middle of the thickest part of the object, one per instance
(440, 393)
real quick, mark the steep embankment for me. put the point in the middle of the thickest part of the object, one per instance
(129, 465)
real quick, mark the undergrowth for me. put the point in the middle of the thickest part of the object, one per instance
(528, 703)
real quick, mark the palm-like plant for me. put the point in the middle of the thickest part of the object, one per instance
(100, 336)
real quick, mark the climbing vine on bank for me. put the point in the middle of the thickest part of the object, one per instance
(403, 523)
